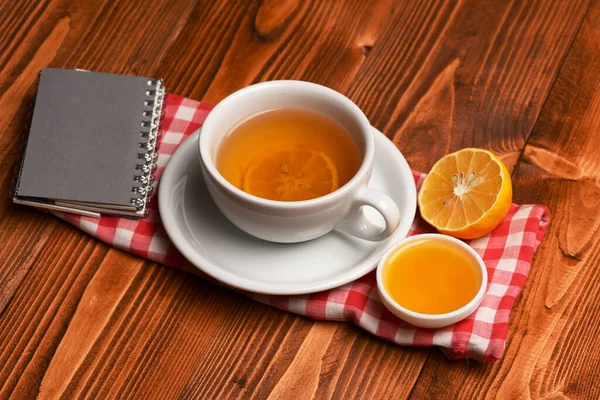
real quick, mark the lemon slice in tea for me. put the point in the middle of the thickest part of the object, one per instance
(291, 173)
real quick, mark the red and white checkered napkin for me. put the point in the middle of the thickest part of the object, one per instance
(507, 252)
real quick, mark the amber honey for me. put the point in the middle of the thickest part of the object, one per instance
(431, 276)
(288, 154)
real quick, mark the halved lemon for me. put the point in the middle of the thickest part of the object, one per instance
(466, 194)
(291, 173)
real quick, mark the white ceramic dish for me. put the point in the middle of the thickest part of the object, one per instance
(218, 248)
(433, 320)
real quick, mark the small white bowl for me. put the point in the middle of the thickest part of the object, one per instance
(432, 320)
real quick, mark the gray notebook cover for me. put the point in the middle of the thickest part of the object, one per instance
(84, 137)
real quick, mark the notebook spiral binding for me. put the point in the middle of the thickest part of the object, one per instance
(148, 146)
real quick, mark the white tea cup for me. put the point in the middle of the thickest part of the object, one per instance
(297, 221)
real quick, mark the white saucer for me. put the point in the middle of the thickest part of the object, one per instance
(218, 248)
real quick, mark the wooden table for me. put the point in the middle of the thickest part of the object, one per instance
(522, 78)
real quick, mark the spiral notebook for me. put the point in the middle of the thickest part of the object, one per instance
(91, 144)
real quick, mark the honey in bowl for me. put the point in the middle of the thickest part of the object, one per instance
(288, 154)
(431, 276)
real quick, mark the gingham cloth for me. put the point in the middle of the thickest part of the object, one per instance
(507, 252)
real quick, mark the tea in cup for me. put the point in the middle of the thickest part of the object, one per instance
(288, 154)
(289, 161)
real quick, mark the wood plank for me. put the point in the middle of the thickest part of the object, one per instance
(39, 312)
(552, 352)
(34, 33)
(137, 346)
(416, 71)
(95, 36)
(34, 44)
(102, 295)
(272, 40)
(30, 232)
(56, 40)
(467, 73)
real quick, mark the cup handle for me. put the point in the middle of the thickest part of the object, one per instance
(356, 224)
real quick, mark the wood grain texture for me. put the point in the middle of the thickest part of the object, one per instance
(56, 40)
(553, 348)
(80, 320)
(467, 73)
